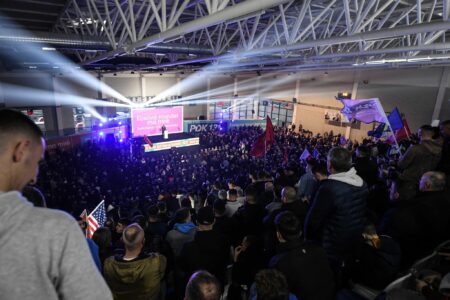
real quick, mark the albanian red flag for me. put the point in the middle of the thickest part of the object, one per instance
(259, 146)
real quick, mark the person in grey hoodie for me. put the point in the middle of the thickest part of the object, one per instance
(183, 231)
(43, 252)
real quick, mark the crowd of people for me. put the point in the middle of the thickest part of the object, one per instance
(214, 222)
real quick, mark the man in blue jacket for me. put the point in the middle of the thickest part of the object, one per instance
(337, 215)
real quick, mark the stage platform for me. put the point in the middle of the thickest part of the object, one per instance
(176, 140)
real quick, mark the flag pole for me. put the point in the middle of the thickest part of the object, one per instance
(380, 108)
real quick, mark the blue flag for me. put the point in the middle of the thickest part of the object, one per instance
(378, 132)
(305, 155)
(316, 154)
(395, 120)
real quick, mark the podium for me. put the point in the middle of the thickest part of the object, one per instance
(166, 134)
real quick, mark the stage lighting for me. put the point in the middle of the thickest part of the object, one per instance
(101, 124)
(344, 95)
(120, 131)
(101, 133)
(120, 123)
(121, 141)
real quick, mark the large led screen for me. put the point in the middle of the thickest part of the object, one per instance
(148, 121)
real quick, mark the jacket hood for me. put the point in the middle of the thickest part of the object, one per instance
(349, 177)
(129, 271)
(432, 146)
(14, 209)
(184, 227)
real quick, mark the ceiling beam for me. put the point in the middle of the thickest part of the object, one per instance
(229, 13)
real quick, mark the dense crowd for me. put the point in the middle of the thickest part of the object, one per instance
(213, 221)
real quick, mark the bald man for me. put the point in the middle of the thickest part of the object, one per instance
(423, 223)
(135, 275)
(44, 254)
(289, 202)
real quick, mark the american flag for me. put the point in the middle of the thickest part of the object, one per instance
(96, 219)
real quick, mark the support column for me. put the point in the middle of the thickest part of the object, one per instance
(143, 86)
(348, 130)
(296, 105)
(50, 120)
(441, 94)
(178, 86)
(62, 116)
(235, 99)
(208, 96)
(258, 97)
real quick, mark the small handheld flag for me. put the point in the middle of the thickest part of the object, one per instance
(96, 219)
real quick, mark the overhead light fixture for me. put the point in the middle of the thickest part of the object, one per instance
(48, 48)
(160, 54)
(55, 67)
(418, 59)
(32, 67)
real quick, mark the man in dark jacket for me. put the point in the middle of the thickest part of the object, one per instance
(305, 266)
(249, 217)
(208, 251)
(336, 218)
(421, 224)
(289, 202)
(223, 224)
(366, 168)
(444, 164)
(417, 160)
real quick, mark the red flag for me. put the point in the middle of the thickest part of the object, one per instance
(264, 140)
(259, 146)
(270, 135)
(147, 140)
(403, 133)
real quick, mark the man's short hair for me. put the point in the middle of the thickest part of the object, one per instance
(222, 194)
(363, 150)
(251, 193)
(340, 159)
(182, 214)
(288, 225)
(436, 180)
(289, 193)
(13, 122)
(132, 236)
(124, 221)
(271, 285)
(232, 192)
(320, 168)
(427, 130)
(219, 207)
(203, 286)
(445, 123)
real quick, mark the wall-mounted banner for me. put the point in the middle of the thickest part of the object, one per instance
(207, 126)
